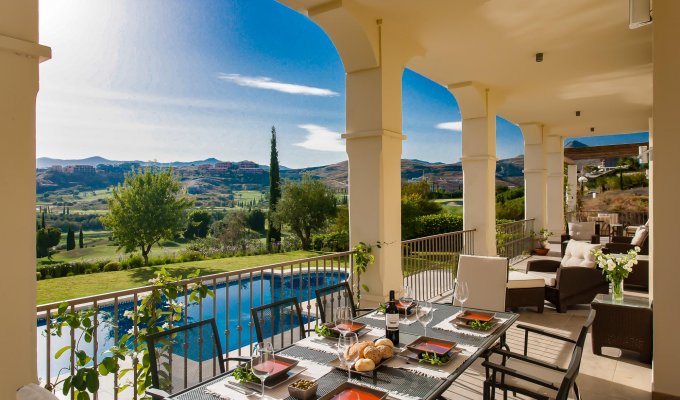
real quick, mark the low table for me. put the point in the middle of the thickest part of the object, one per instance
(625, 324)
(525, 290)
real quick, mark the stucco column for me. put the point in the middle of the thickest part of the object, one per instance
(554, 185)
(19, 58)
(478, 109)
(374, 142)
(664, 195)
(535, 174)
(572, 185)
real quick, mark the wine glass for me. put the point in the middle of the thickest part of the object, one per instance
(262, 361)
(406, 300)
(347, 357)
(425, 312)
(461, 294)
(343, 320)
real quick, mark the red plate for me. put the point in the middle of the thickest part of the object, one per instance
(476, 316)
(430, 345)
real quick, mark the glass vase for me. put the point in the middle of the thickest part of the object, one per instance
(617, 290)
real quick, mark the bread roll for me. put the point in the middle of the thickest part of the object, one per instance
(373, 354)
(361, 346)
(352, 353)
(384, 342)
(385, 351)
(364, 364)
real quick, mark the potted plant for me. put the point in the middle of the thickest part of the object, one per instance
(616, 268)
(541, 240)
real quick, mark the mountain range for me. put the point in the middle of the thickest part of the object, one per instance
(46, 162)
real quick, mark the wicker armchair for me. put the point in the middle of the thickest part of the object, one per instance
(583, 231)
(622, 244)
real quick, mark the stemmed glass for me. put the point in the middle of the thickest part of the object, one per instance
(425, 312)
(406, 300)
(343, 320)
(345, 342)
(262, 361)
(461, 294)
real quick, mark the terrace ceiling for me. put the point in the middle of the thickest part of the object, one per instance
(593, 62)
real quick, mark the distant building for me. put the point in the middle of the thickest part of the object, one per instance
(224, 166)
(80, 169)
(247, 165)
(56, 168)
(205, 167)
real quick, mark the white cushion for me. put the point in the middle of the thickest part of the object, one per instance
(640, 236)
(34, 392)
(548, 278)
(579, 254)
(486, 279)
(581, 230)
(519, 280)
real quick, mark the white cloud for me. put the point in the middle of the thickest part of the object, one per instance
(263, 82)
(322, 139)
(456, 126)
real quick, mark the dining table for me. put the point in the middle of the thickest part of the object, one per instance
(402, 377)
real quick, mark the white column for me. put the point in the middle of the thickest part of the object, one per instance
(664, 195)
(374, 142)
(572, 185)
(478, 109)
(555, 185)
(19, 58)
(535, 174)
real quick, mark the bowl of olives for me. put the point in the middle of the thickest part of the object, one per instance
(303, 389)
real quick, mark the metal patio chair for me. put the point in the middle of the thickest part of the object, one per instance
(330, 298)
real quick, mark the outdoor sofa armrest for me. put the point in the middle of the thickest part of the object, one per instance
(595, 239)
(543, 332)
(621, 239)
(543, 265)
(574, 280)
(157, 394)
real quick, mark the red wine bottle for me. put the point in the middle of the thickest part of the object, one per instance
(392, 320)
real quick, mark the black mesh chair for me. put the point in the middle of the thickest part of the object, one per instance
(517, 381)
(185, 356)
(330, 298)
(280, 322)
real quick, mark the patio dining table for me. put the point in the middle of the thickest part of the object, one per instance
(401, 378)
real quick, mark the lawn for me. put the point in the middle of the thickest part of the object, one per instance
(58, 289)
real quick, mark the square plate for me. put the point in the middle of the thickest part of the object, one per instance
(465, 324)
(415, 357)
(348, 390)
(424, 344)
(357, 327)
(476, 316)
(273, 381)
(282, 366)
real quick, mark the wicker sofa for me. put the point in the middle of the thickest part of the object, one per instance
(573, 280)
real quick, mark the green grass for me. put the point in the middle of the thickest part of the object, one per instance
(59, 289)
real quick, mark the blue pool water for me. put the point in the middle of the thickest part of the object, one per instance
(265, 289)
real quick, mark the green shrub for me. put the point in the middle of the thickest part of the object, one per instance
(134, 261)
(511, 209)
(38, 276)
(190, 255)
(333, 241)
(112, 266)
(434, 224)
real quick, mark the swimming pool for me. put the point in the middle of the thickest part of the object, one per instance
(232, 299)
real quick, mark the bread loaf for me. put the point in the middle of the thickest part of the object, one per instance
(364, 364)
(385, 351)
(372, 353)
(384, 342)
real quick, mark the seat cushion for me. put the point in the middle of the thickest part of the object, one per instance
(640, 236)
(519, 280)
(579, 254)
(581, 230)
(549, 278)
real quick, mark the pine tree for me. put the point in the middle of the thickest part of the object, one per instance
(80, 238)
(70, 239)
(274, 232)
(43, 220)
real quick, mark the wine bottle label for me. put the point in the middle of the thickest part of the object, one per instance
(392, 321)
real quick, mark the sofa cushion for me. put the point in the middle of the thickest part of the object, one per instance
(579, 254)
(581, 230)
(549, 278)
(640, 236)
(519, 280)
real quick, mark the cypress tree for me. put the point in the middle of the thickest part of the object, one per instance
(70, 239)
(274, 232)
(80, 238)
(43, 220)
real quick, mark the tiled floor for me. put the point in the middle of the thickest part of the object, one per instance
(614, 376)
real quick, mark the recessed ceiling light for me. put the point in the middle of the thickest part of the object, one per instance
(578, 113)
(539, 57)
(592, 129)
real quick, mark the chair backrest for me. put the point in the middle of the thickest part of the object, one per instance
(279, 322)
(487, 279)
(581, 339)
(579, 254)
(582, 230)
(330, 298)
(185, 356)
(571, 374)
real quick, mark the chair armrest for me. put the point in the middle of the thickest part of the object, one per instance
(157, 393)
(621, 239)
(543, 265)
(573, 280)
(619, 247)
(564, 237)
(595, 239)
(543, 332)
(524, 358)
(512, 372)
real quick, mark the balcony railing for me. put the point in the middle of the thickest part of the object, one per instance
(235, 294)
(429, 263)
(429, 266)
(513, 239)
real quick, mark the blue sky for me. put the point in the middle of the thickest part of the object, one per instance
(173, 80)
